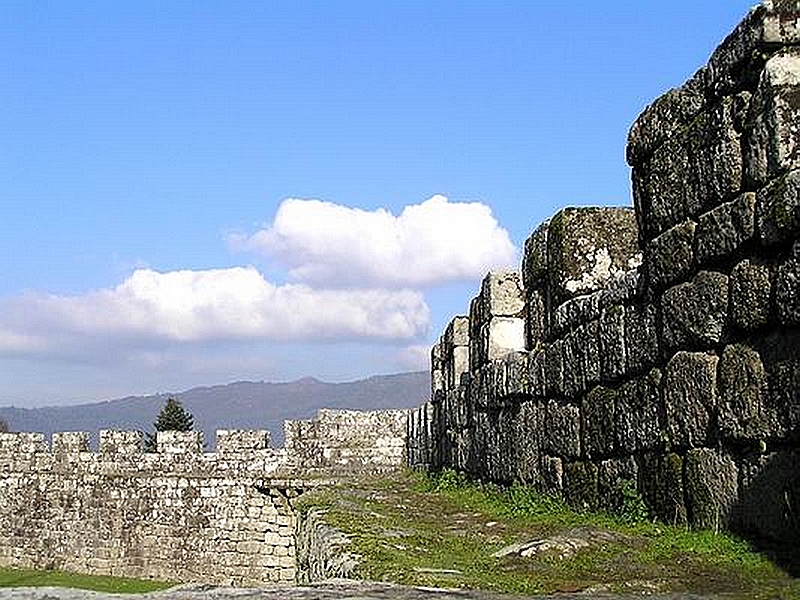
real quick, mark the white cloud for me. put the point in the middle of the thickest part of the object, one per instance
(416, 358)
(197, 306)
(428, 244)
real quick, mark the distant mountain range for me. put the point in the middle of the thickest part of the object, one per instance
(240, 405)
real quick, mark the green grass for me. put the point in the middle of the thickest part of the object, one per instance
(100, 583)
(442, 531)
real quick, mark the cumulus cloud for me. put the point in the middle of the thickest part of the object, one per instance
(426, 245)
(221, 304)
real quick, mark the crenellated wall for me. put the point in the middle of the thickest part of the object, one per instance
(178, 514)
(661, 345)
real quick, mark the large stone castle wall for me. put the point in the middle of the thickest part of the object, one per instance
(178, 514)
(657, 347)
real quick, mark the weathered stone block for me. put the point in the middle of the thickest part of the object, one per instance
(528, 435)
(770, 496)
(743, 413)
(613, 477)
(773, 138)
(695, 314)
(712, 488)
(661, 485)
(237, 440)
(457, 331)
(573, 312)
(690, 173)
(721, 231)
(787, 290)
(580, 485)
(611, 336)
(670, 256)
(552, 474)
(589, 247)
(779, 209)
(554, 368)
(536, 318)
(668, 114)
(690, 397)
(537, 379)
(70, 442)
(504, 335)
(502, 294)
(562, 430)
(121, 442)
(597, 422)
(749, 295)
(639, 418)
(456, 366)
(534, 258)
(784, 394)
(517, 381)
(586, 350)
(641, 337)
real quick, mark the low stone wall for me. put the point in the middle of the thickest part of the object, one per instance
(657, 347)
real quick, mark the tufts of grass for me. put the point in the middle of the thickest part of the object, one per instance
(99, 583)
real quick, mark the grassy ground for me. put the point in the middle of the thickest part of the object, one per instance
(30, 578)
(443, 531)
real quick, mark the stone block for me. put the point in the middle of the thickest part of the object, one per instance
(667, 115)
(534, 258)
(641, 338)
(749, 295)
(554, 368)
(504, 336)
(639, 417)
(597, 422)
(457, 332)
(670, 256)
(695, 314)
(690, 398)
(743, 410)
(722, 231)
(574, 312)
(784, 394)
(528, 435)
(787, 285)
(691, 172)
(537, 378)
(778, 209)
(552, 468)
(661, 486)
(615, 478)
(536, 318)
(589, 247)
(517, 382)
(562, 430)
(773, 139)
(502, 294)
(586, 354)
(611, 337)
(580, 485)
(769, 497)
(712, 488)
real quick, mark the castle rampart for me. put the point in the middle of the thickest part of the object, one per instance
(662, 344)
(178, 514)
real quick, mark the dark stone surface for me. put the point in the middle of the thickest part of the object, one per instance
(787, 286)
(580, 485)
(528, 435)
(612, 478)
(690, 397)
(695, 313)
(597, 422)
(641, 339)
(639, 418)
(562, 429)
(749, 295)
(534, 258)
(712, 488)
(743, 413)
(611, 336)
(721, 231)
(690, 173)
(661, 486)
(669, 258)
(770, 496)
(779, 209)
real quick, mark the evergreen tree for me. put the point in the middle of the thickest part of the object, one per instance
(173, 417)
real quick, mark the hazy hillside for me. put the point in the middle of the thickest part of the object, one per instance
(236, 405)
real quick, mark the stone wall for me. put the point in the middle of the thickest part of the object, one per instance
(660, 346)
(179, 514)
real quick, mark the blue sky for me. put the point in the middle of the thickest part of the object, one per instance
(201, 192)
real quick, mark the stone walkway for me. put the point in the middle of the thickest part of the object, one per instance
(330, 590)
